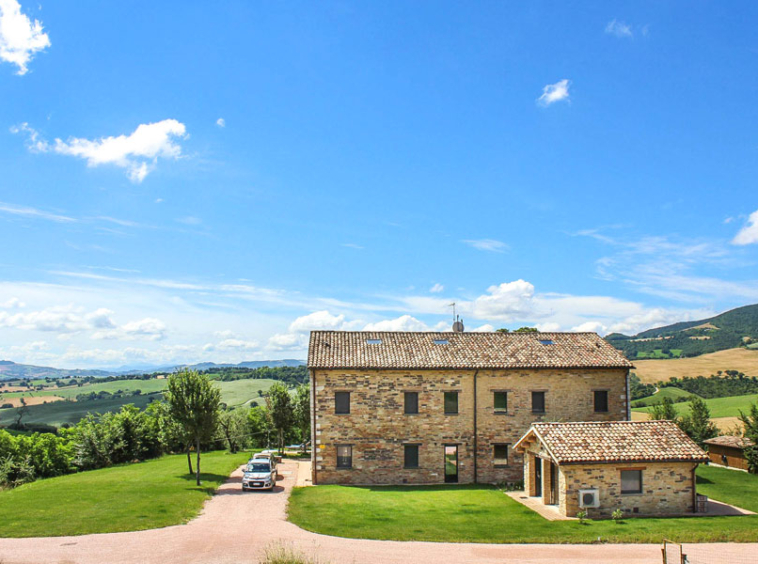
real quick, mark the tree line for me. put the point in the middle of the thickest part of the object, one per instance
(190, 418)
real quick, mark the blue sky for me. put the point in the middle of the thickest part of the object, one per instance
(184, 182)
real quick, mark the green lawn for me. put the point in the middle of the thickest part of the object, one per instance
(131, 497)
(673, 393)
(720, 407)
(485, 514)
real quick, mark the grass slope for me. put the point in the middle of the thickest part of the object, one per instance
(131, 497)
(484, 514)
(146, 386)
(239, 392)
(60, 412)
(673, 393)
(720, 407)
(652, 371)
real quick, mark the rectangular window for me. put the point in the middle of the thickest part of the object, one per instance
(411, 403)
(344, 456)
(601, 401)
(451, 403)
(501, 402)
(631, 481)
(538, 402)
(500, 454)
(342, 402)
(410, 456)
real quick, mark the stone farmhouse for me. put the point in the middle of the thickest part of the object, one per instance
(430, 408)
(640, 467)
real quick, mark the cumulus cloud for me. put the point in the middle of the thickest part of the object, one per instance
(12, 303)
(20, 37)
(221, 122)
(148, 329)
(60, 319)
(552, 93)
(619, 29)
(491, 245)
(233, 345)
(437, 288)
(506, 302)
(748, 235)
(402, 323)
(137, 152)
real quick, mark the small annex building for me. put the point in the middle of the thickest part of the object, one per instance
(729, 451)
(640, 467)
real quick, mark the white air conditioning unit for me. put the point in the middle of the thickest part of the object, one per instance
(589, 498)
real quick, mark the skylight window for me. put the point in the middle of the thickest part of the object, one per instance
(373, 341)
(441, 341)
(547, 342)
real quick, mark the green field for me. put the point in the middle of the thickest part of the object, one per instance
(485, 514)
(673, 393)
(234, 393)
(720, 407)
(658, 353)
(125, 386)
(239, 392)
(130, 497)
(59, 412)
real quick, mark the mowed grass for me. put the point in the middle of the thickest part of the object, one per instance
(742, 359)
(719, 407)
(673, 393)
(485, 514)
(130, 497)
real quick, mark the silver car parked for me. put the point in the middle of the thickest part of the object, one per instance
(260, 474)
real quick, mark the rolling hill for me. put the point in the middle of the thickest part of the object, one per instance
(732, 329)
(741, 359)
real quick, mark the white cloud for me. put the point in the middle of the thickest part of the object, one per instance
(402, 323)
(748, 235)
(491, 245)
(13, 303)
(59, 319)
(553, 93)
(148, 329)
(238, 344)
(619, 29)
(486, 328)
(287, 342)
(190, 220)
(318, 320)
(549, 327)
(26, 211)
(221, 122)
(20, 37)
(137, 152)
(352, 246)
(506, 302)
(590, 327)
(437, 288)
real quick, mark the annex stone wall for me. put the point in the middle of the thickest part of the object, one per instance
(667, 488)
(377, 427)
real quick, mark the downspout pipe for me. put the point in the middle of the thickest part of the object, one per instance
(476, 441)
(314, 446)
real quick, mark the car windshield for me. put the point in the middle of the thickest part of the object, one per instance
(258, 467)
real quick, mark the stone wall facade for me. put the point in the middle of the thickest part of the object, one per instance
(377, 428)
(667, 487)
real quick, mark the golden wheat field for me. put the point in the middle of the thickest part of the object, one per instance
(652, 371)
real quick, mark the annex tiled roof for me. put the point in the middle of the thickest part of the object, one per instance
(614, 441)
(729, 441)
(406, 350)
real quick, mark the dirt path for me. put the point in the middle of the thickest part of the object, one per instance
(236, 527)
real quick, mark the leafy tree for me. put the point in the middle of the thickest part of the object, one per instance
(235, 428)
(303, 413)
(527, 330)
(194, 402)
(697, 424)
(279, 404)
(750, 421)
(502, 330)
(259, 422)
(664, 411)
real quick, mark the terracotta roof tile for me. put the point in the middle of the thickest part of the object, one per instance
(615, 441)
(729, 441)
(406, 350)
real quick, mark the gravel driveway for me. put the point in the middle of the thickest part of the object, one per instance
(235, 527)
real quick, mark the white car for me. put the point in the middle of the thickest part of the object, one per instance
(260, 474)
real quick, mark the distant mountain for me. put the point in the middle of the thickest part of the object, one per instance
(734, 328)
(11, 371)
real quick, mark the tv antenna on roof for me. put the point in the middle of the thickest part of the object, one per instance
(457, 323)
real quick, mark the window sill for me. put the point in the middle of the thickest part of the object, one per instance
(411, 467)
(501, 465)
(417, 413)
(501, 412)
(538, 412)
(344, 468)
(452, 413)
(629, 494)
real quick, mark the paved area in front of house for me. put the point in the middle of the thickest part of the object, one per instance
(236, 527)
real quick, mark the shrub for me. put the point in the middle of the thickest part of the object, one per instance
(278, 553)
(617, 515)
(583, 517)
